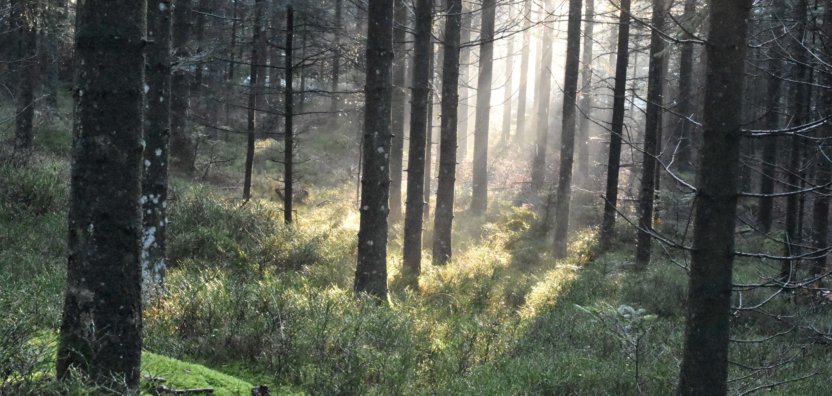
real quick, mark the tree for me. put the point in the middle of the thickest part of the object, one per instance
(705, 357)
(567, 143)
(412, 247)
(288, 117)
(772, 119)
(156, 151)
(585, 105)
(650, 150)
(399, 100)
(616, 127)
(101, 329)
(823, 176)
(509, 89)
(371, 268)
(258, 40)
(524, 71)
(686, 94)
(444, 213)
(25, 17)
(479, 197)
(182, 147)
(544, 88)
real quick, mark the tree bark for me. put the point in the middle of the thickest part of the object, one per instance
(464, 76)
(399, 101)
(649, 165)
(586, 93)
(26, 18)
(617, 127)
(520, 128)
(773, 121)
(412, 247)
(156, 150)
(509, 84)
(479, 197)
(567, 144)
(705, 356)
(820, 210)
(182, 148)
(371, 268)
(444, 214)
(684, 156)
(544, 87)
(101, 329)
(334, 103)
(254, 71)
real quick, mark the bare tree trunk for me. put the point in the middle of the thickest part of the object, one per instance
(820, 210)
(773, 121)
(371, 268)
(255, 61)
(443, 221)
(617, 127)
(544, 87)
(412, 247)
(465, 77)
(705, 357)
(479, 197)
(156, 150)
(101, 329)
(567, 144)
(334, 103)
(399, 101)
(520, 128)
(509, 87)
(26, 18)
(182, 146)
(586, 93)
(684, 157)
(232, 64)
(288, 132)
(649, 165)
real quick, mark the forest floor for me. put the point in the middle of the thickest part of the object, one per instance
(252, 301)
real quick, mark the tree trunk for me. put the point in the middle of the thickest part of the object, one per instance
(182, 147)
(26, 17)
(254, 71)
(479, 197)
(371, 269)
(412, 247)
(801, 101)
(649, 165)
(464, 76)
(443, 220)
(157, 140)
(288, 132)
(586, 93)
(705, 357)
(334, 103)
(520, 128)
(684, 157)
(617, 127)
(232, 64)
(544, 87)
(769, 174)
(508, 89)
(101, 329)
(820, 210)
(567, 143)
(399, 100)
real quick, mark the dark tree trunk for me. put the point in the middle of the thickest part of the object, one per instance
(520, 128)
(371, 269)
(429, 139)
(684, 157)
(199, 41)
(464, 76)
(617, 127)
(182, 147)
(56, 16)
(232, 63)
(800, 101)
(256, 60)
(157, 139)
(544, 87)
(649, 165)
(443, 220)
(399, 100)
(586, 93)
(101, 330)
(479, 197)
(820, 210)
(567, 143)
(769, 174)
(26, 18)
(289, 133)
(509, 87)
(705, 357)
(412, 248)
(334, 103)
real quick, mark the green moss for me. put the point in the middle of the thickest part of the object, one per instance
(182, 375)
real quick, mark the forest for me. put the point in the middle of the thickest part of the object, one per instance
(408, 197)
